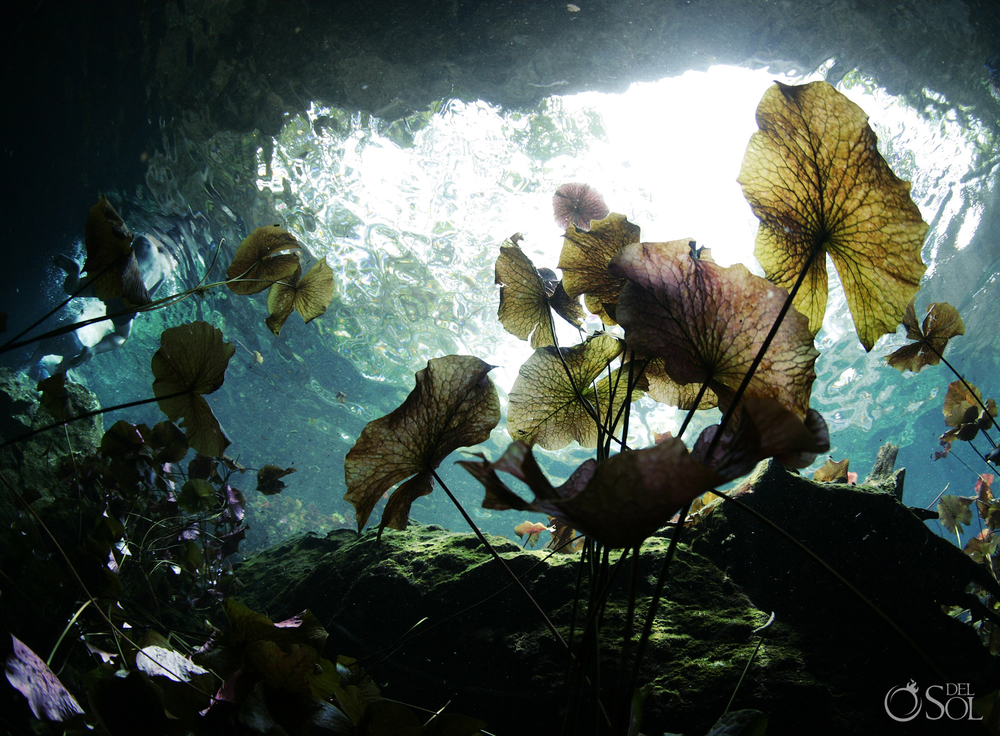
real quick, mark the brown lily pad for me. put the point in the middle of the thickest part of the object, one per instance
(815, 179)
(832, 472)
(310, 296)
(584, 262)
(192, 361)
(942, 323)
(255, 267)
(544, 407)
(526, 298)
(692, 314)
(454, 404)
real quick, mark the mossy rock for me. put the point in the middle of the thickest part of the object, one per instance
(437, 620)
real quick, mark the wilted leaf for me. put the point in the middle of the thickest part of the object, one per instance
(629, 496)
(693, 314)
(110, 260)
(254, 263)
(454, 404)
(815, 179)
(832, 472)
(954, 512)
(525, 297)
(584, 262)
(544, 408)
(310, 296)
(192, 361)
(269, 479)
(940, 325)
(30, 676)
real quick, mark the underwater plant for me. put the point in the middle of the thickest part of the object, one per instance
(678, 332)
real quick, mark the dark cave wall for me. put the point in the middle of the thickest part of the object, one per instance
(97, 85)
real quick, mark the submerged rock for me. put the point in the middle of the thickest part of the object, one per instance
(911, 575)
(436, 621)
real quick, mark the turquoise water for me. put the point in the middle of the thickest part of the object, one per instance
(410, 214)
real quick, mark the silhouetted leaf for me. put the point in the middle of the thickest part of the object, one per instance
(963, 412)
(192, 361)
(169, 442)
(310, 296)
(815, 179)
(30, 676)
(695, 315)
(940, 325)
(954, 512)
(525, 298)
(269, 479)
(983, 546)
(454, 404)
(256, 266)
(584, 262)
(110, 261)
(544, 408)
(832, 472)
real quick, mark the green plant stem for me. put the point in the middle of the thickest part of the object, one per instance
(496, 555)
(88, 415)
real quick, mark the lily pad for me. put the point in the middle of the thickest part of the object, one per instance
(942, 323)
(955, 512)
(584, 262)
(192, 361)
(526, 298)
(454, 404)
(578, 204)
(815, 179)
(255, 265)
(310, 296)
(544, 408)
(693, 314)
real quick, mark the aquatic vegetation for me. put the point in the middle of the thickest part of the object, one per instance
(814, 177)
(309, 296)
(578, 204)
(192, 361)
(454, 404)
